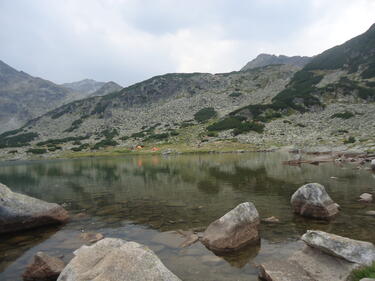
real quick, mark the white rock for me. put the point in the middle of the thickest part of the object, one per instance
(356, 251)
(116, 259)
(365, 197)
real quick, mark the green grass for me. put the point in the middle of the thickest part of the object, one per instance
(365, 272)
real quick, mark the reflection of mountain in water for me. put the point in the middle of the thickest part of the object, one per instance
(185, 191)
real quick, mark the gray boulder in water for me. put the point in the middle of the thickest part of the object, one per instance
(234, 230)
(312, 200)
(116, 259)
(355, 251)
(18, 211)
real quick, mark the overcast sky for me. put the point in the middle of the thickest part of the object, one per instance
(131, 40)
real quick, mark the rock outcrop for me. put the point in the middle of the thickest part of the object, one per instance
(115, 259)
(325, 257)
(351, 250)
(267, 59)
(234, 230)
(312, 200)
(365, 197)
(43, 268)
(18, 211)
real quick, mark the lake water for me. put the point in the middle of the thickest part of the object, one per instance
(148, 199)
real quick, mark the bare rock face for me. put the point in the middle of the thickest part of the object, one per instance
(116, 259)
(312, 200)
(354, 251)
(18, 211)
(234, 230)
(43, 268)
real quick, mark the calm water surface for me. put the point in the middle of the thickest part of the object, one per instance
(148, 199)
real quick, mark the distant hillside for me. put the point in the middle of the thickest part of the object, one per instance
(23, 97)
(107, 88)
(266, 59)
(84, 87)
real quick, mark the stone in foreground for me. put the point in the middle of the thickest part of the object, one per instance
(18, 211)
(234, 230)
(312, 200)
(354, 251)
(43, 268)
(116, 259)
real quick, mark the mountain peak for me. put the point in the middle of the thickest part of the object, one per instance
(268, 59)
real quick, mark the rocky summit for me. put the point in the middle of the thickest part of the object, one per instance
(266, 59)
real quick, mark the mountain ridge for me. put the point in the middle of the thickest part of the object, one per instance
(268, 59)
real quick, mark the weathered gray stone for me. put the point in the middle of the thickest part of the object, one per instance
(312, 200)
(18, 211)
(373, 164)
(234, 230)
(355, 251)
(370, 213)
(367, 279)
(43, 268)
(115, 259)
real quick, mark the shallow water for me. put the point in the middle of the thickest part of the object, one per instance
(147, 199)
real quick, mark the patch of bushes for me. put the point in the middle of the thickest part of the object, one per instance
(205, 114)
(235, 94)
(212, 134)
(161, 136)
(138, 135)
(51, 142)
(343, 115)
(18, 140)
(37, 150)
(54, 148)
(12, 151)
(81, 147)
(237, 123)
(186, 124)
(10, 133)
(124, 138)
(105, 143)
(351, 139)
(369, 72)
(174, 133)
(109, 133)
(75, 125)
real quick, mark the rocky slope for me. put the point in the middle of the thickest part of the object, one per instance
(328, 104)
(84, 87)
(267, 59)
(107, 88)
(23, 97)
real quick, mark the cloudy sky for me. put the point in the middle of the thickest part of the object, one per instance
(131, 40)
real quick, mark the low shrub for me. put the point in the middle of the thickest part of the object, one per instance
(364, 272)
(105, 143)
(351, 139)
(37, 150)
(343, 115)
(205, 114)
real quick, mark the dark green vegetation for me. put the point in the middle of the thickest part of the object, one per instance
(81, 147)
(365, 272)
(37, 150)
(239, 124)
(351, 139)
(299, 95)
(235, 94)
(51, 142)
(343, 115)
(205, 114)
(105, 143)
(346, 86)
(8, 140)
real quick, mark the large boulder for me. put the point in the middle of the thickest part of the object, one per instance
(18, 211)
(354, 251)
(43, 268)
(312, 200)
(116, 259)
(234, 230)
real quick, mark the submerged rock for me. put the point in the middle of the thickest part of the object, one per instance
(43, 268)
(312, 200)
(18, 211)
(91, 237)
(354, 251)
(271, 220)
(115, 259)
(234, 230)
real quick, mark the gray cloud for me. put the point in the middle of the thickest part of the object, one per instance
(131, 40)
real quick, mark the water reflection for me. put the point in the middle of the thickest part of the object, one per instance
(146, 199)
